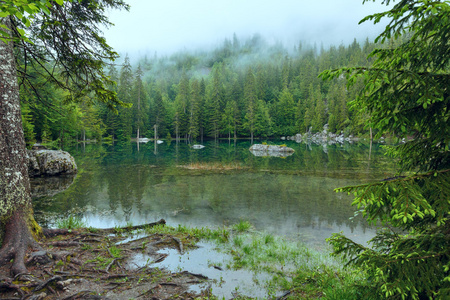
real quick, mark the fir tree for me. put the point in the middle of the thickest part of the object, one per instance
(406, 93)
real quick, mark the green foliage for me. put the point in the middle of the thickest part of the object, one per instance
(242, 226)
(410, 258)
(71, 222)
(261, 97)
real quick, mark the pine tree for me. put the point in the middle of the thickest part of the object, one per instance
(406, 93)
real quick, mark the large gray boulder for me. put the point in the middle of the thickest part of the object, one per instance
(50, 163)
(271, 150)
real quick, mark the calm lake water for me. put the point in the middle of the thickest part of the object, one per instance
(290, 196)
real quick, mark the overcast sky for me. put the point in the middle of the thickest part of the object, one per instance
(167, 26)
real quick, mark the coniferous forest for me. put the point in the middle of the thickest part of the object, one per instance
(243, 88)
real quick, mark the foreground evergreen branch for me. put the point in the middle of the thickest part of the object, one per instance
(406, 94)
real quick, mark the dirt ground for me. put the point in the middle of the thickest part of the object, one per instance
(101, 264)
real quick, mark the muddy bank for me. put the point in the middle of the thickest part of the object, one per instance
(98, 264)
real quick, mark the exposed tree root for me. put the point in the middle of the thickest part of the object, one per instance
(18, 239)
(81, 265)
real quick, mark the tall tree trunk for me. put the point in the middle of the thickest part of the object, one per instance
(16, 215)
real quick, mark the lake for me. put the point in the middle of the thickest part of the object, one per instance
(218, 185)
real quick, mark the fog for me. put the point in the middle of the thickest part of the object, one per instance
(168, 26)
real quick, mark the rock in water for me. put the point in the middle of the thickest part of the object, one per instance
(50, 163)
(198, 146)
(271, 150)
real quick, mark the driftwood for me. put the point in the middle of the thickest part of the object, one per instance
(51, 232)
(131, 228)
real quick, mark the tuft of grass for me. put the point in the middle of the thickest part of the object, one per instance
(242, 226)
(71, 222)
(115, 252)
(269, 239)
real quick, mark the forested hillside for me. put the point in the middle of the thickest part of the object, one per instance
(244, 88)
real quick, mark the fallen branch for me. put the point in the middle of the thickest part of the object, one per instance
(179, 243)
(42, 285)
(284, 295)
(195, 275)
(65, 244)
(160, 258)
(49, 232)
(131, 228)
(111, 264)
(148, 291)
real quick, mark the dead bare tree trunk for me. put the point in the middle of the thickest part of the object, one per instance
(16, 215)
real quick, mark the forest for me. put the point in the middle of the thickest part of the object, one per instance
(243, 88)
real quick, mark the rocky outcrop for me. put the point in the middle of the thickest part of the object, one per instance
(323, 137)
(271, 150)
(50, 163)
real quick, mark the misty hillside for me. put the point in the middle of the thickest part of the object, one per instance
(242, 88)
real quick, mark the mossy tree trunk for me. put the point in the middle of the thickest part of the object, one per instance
(17, 225)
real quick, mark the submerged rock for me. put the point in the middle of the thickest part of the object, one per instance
(271, 150)
(50, 163)
(198, 146)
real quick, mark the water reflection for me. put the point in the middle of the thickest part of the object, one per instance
(50, 185)
(290, 196)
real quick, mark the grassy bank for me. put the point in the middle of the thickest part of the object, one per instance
(296, 271)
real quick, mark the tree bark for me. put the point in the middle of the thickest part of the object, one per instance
(17, 225)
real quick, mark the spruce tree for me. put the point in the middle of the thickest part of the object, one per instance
(139, 98)
(406, 93)
(194, 110)
(125, 94)
(251, 102)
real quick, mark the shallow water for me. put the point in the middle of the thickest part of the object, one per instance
(204, 260)
(290, 196)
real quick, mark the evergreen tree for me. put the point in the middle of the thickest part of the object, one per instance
(406, 93)
(229, 119)
(194, 110)
(251, 102)
(263, 123)
(181, 107)
(139, 102)
(125, 94)
(286, 113)
(214, 98)
(159, 113)
(28, 126)
(51, 24)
